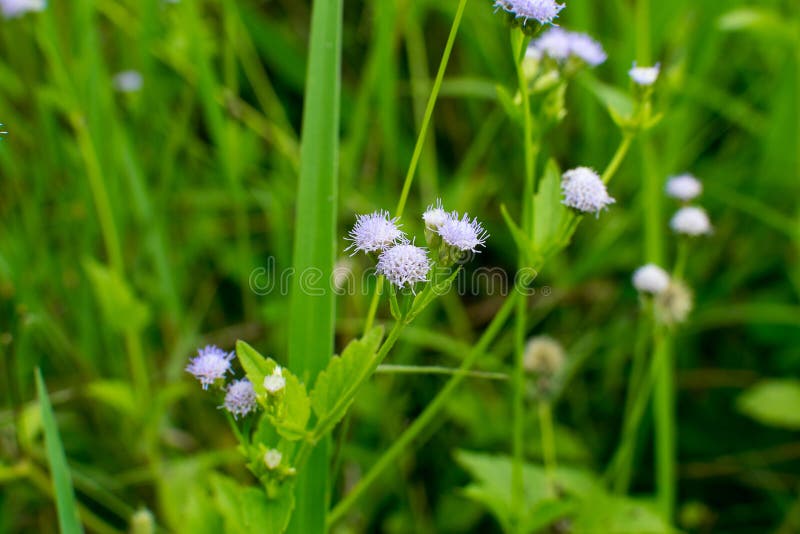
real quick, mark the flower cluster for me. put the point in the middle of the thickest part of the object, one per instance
(211, 366)
(542, 11)
(584, 191)
(561, 45)
(16, 8)
(449, 235)
(644, 76)
(650, 279)
(688, 220)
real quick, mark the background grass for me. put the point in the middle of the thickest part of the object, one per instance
(131, 224)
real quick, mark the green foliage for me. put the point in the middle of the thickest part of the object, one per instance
(247, 509)
(335, 388)
(122, 311)
(773, 403)
(68, 517)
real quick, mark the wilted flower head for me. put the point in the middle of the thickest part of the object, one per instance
(691, 220)
(275, 382)
(272, 459)
(435, 216)
(404, 264)
(210, 364)
(684, 187)
(374, 232)
(462, 234)
(17, 8)
(543, 355)
(650, 278)
(674, 303)
(240, 398)
(644, 76)
(542, 11)
(584, 191)
(128, 81)
(560, 44)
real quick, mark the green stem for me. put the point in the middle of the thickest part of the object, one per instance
(426, 418)
(437, 85)
(682, 256)
(437, 370)
(619, 157)
(548, 443)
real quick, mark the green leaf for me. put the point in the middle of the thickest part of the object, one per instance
(509, 104)
(618, 103)
(247, 509)
(773, 403)
(66, 506)
(334, 390)
(430, 293)
(121, 310)
(255, 366)
(758, 20)
(601, 512)
(117, 394)
(492, 487)
(297, 409)
(548, 211)
(523, 243)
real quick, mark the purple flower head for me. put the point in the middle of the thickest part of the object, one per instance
(240, 398)
(210, 364)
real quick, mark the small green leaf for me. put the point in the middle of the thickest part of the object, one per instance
(430, 293)
(601, 512)
(297, 409)
(256, 366)
(758, 20)
(334, 390)
(511, 107)
(618, 103)
(66, 506)
(523, 243)
(773, 403)
(117, 394)
(122, 311)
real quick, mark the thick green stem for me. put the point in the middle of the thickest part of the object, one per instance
(426, 418)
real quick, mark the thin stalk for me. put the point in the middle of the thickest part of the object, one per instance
(423, 132)
(437, 370)
(426, 119)
(548, 443)
(518, 385)
(426, 418)
(619, 157)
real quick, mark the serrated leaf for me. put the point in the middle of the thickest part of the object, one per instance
(296, 409)
(773, 403)
(602, 512)
(334, 390)
(247, 509)
(548, 211)
(121, 310)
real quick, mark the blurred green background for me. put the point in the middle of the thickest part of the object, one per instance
(132, 221)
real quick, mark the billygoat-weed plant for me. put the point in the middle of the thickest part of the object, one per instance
(299, 459)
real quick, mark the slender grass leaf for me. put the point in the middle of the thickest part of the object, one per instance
(66, 505)
(548, 211)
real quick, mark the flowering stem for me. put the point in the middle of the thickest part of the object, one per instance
(682, 255)
(619, 156)
(548, 443)
(428, 415)
(426, 119)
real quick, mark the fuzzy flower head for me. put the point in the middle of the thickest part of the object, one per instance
(544, 356)
(404, 264)
(684, 187)
(272, 459)
(644, 76)
(651, 279)
(542, 11)
(463, 234)
(691, 221)
(276, 382)
(240, 398)
(128, 81)
(584, 191)
(16, 8)
(674, 304)
(560, 45)
(435, 216)
(210, 364)
(374, 232)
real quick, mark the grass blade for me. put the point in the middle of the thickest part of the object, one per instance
(68, 519)
(312, 301)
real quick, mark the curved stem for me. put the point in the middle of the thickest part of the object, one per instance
(619, 157)
(427, 416)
